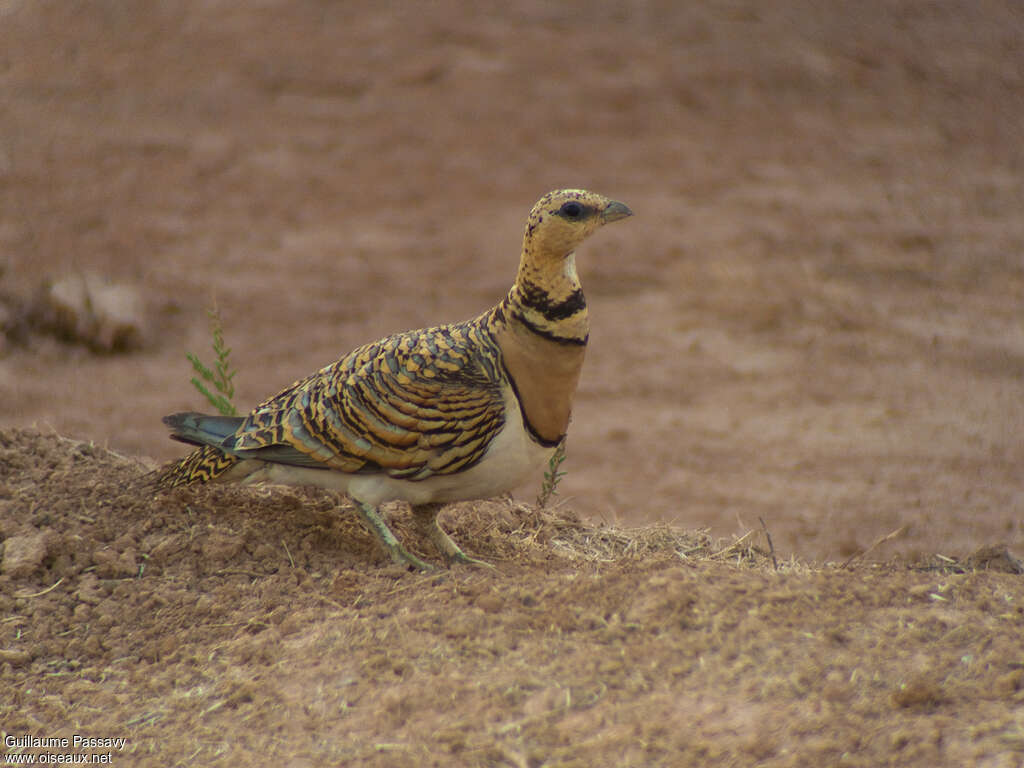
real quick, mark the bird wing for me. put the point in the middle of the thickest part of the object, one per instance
(412, 405)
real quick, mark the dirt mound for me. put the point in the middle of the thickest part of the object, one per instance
(228, 626)
(813, 320)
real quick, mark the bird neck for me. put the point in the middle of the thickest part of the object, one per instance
(548, 299)
(541, 329)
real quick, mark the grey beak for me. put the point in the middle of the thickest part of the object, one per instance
(615, 211)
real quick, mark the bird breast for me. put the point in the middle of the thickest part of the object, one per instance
(544, 374)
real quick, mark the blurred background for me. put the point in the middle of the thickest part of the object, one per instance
(815, 319)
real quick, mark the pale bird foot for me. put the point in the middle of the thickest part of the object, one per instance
(425, 516)
(399, 554)
(464, 559)
(407, 559)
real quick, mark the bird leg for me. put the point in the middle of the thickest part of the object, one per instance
(425, 516)
(399, 554)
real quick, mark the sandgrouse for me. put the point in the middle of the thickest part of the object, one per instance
(460, 411)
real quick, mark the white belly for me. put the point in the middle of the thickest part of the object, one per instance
(510, 459)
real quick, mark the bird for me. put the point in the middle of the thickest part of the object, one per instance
(454, 412)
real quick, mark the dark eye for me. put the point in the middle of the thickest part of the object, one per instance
(571, 210)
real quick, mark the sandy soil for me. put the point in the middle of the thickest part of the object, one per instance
(814, 320)
(223, 626)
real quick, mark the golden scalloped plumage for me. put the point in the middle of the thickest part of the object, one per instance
(429, 416)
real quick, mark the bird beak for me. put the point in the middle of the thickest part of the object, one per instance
(615, 211)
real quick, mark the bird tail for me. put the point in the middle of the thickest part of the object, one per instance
(203, 465)
(206, 463)
(200, 429)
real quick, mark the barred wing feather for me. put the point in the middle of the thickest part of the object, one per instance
(412, 405)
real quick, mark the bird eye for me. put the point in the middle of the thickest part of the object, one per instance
(571, 210)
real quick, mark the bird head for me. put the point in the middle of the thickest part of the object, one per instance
(563, 219)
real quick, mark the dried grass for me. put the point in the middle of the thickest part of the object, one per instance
(527, 532)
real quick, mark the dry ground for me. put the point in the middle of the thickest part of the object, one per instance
(815, 320)
(225, 627)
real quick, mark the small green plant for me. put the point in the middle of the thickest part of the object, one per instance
(552, 476)
(220, 376)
